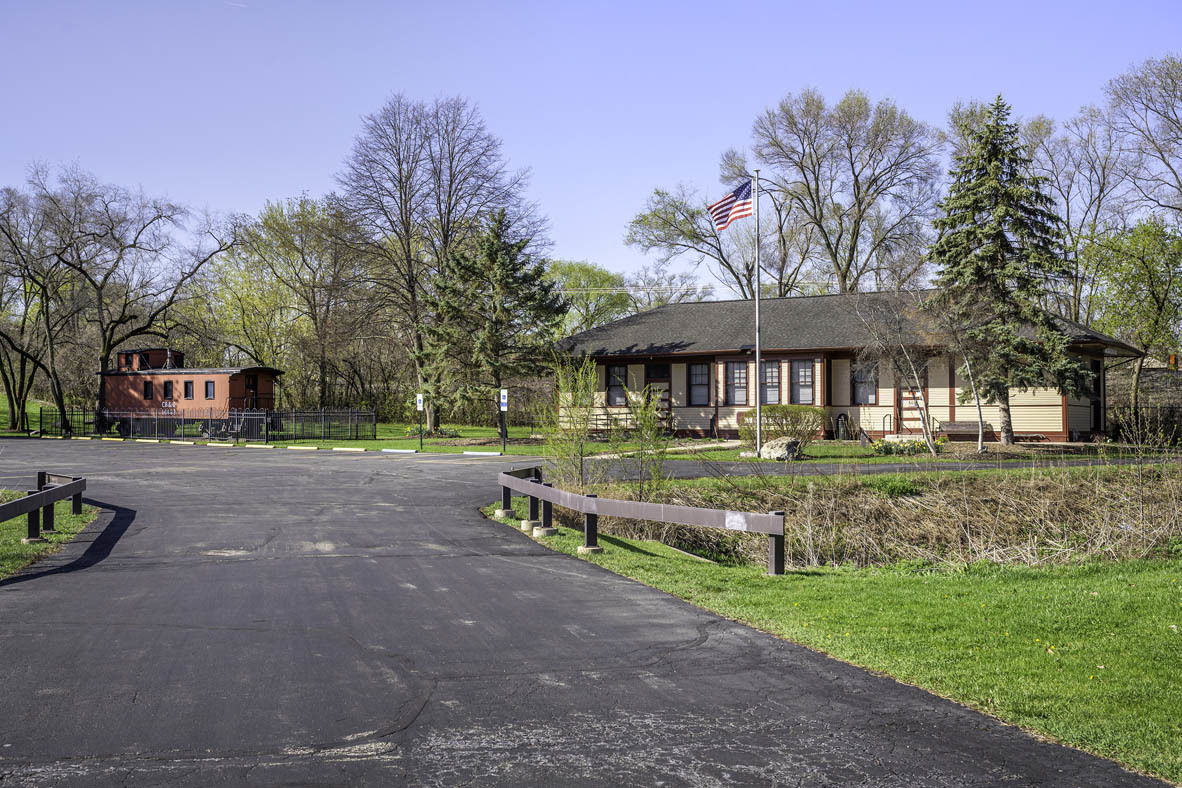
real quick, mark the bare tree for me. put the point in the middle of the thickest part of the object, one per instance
(864, 177)
(895, 337)
(1087, 173)
(1147, 110)
(418, 182)
(656, 285)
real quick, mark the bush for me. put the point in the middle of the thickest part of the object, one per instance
(905, 448)
(893, 486)
(802, 423)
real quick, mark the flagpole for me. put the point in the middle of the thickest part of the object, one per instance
(758, 360)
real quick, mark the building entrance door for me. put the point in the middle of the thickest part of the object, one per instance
(909, 404)
(657, 379)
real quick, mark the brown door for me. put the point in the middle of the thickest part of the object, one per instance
(252, 392)
(657, 377)
(909, 404)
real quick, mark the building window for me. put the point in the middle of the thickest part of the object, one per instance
(657, 372)
(617, 376)
(699, 384)
(188, 389)
(148, 389)
(802, 382)
(865, 383)
(770, 383)
(168, 389)
(209, 389)
(736, 383)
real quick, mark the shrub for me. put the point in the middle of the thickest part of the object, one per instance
(905, 448)
(893, 486)
(802, 423)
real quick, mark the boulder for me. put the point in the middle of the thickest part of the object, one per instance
(780, 449)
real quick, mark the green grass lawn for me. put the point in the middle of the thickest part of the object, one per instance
(1088, 655)
(14, 555)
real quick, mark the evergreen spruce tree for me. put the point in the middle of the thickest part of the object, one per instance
(998, 250)
(495, 316)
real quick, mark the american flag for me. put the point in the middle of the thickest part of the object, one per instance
(735, 205)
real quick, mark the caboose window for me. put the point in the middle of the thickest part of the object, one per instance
(168, 389)
(188, 389)
(209, 389)
(147, 389)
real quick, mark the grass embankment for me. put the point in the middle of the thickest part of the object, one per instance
(853, 452)
(1088, 655)
(14, 555)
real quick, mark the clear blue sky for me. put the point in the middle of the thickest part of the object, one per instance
(228, 103)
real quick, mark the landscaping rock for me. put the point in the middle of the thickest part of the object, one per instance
(780, 449)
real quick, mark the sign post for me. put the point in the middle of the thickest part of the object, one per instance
(504, 425)
(419, 408)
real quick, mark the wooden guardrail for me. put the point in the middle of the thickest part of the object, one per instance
(528, 482)
(38, 504)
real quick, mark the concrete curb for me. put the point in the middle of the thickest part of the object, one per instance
(484, 453)
(347, 448)
(304, 448)
(399, 451)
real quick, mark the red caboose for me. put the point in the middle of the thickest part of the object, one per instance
(156, 379)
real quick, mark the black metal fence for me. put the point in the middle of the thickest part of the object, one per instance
(219, 425)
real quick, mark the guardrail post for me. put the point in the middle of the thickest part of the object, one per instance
(33, 532)
(47, 518)
(76, 499)
(506, 509)
(533, 521)
(42, 477)
(775, 551)
(590, 532)
(547, 528)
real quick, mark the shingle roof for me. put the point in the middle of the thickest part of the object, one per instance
(827, 322)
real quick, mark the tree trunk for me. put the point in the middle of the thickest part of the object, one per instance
(1007, 426)
(980, 413)
(1135, 390)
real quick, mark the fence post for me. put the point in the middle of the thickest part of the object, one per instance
(547, 528)
(775, 551)
(590, 531)
(533, 521)
(33, 531)
(47, 511)
(41, 479)
(76, 500)
(506, 509)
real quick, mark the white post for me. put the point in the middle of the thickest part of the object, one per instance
(758, 360)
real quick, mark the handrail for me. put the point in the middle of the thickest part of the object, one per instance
(528, 482)
(38, 504)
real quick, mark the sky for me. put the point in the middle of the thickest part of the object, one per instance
(227, 104)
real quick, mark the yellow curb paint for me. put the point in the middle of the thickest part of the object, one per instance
(146, 440)
(211, 443)
(51, 437)
(304, 448)
(184, 443)
(112, 439)
(80, 438)
(259, 446)
(346, 448)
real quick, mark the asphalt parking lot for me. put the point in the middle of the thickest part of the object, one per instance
(272, 617)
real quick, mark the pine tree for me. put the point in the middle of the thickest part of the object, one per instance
(998, 251)
(495, 315)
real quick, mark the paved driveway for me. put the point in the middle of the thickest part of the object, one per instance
(253, 617)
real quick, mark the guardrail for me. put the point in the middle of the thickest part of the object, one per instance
(38, 504)
(528, 482)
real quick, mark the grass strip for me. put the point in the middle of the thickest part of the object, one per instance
(1087, 655)
(15, 556)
